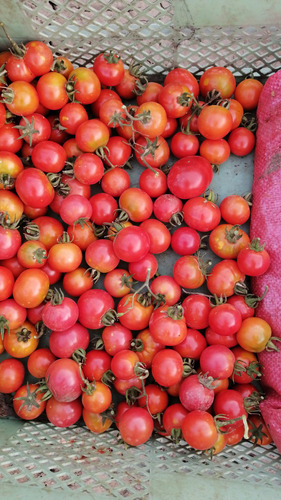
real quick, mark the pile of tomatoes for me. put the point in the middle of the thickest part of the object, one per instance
(147, 351)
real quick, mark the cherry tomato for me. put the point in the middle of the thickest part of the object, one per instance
(258, 431)
(117, 282)
(201, 214)
(168, 287)
(215, 151)
(11, 375)
(96, 422)
(176, 99)
(140, 268)
(31, 288)
(151, 119)
(193, 344)
(136, 426)
(183, 76)
(167, 325)
(96, 364)
(39, 361)
(93, 305)
(218, 361)
(91, 135)
(167, 208)
(85, 84)
(214, 122)
(196, 311)
(116, 338)
(131, 244)
(6, 283)
(167, 367)
(10, 138)
(155, 400)
(253, 260)
(65, 257)
(241, 141)
(51, 90)
(254, 334)
(63, 414)
(34, 188)
(27, 402)
(133, 313)
(149, 347)
(227, 241)
(187, 272)
(225, 319)
(224, 277)
(248, 92)
(195, 395)
(173, 417)
(199, 430)
(239, 301)
(21, 341)
(137, 203)
(152, 152)
(235, 209)
(115, 181)
(190, 177)
(217, 78)
(109, 69)
(230, 403)
(25, 98)
(183, 144)
(64, 380)
(159, 235)
(99, 400)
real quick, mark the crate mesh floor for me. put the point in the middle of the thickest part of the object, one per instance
(75, 459)
(146, 30)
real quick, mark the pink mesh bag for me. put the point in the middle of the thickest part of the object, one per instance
(266, 224)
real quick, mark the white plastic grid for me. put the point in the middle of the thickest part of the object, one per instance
(146, 30)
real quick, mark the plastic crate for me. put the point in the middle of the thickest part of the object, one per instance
(39, 460)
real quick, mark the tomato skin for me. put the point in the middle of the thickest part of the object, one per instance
(91, 135)
(158, 233)
(13, 265)
(24, 411)
(63, 343)
(156, 400)
(254, 334)
(48, 156)
(137, 203)
(150, 93)
(215, 151)
(192, 346)
(166, 329)
(190, 177)
(74, 207)
(139, 269)
(78, 281)
(99, 400)
(218, 361)
(214, 338)
(252, 262)
(199, 430)
(234, 436)
(51, 91)
(167, 367)
(63, 414)
(63, 66)
(96, 364)
(17, 69)
(196, 311)
(187, 272)
(156, 122)
(38, 57)
(39, 361)
(131, 244)
(104, 207)
(156, 159)
(183, 144)
(11, 375)
(167, 286)
(18, 347)
(71, 116)
(214, 122)
(31, 287)
(122, 385)
(25, 99)
(225, 319)
(173, 417)
(10, 165)
(201, 214)
(34, 188)
(32, 254)
(10, 242)
(153, 183)
(171, 127)
(248, 92)
(115, 181)
(113, 282)
(244, 359)
(109, 73)
(184, 77)
(86, 85)
(238, 301)
(166, 207)
(224, 245)
(230, 403)
(194, 395)
(65, 257)
(123, 364)
(217, 78)
(9, 138)
(136, 316)
(104, 96)
(150, 347)
(63, 380)
(92, 305)
(235, 209)
(169, 98)
(241, 141)
(6, 283)
(223, 278)
(96, 422)
(136, 426)
(256, 422)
